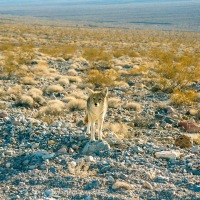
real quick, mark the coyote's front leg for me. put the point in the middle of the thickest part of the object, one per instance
(100, 125)
(88, 127)
(92, 131)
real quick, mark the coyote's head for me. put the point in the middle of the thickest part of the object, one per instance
(97, 98)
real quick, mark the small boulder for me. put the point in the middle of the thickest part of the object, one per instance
(121, 185)
(184, 141)
(168, 154)
(95, 147)
(191, 127)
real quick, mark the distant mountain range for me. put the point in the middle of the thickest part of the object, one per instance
(142, 14)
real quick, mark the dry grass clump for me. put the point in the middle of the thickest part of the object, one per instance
(119, 52)
(63, 81)
(74, 79)
(41, 69)
(36, 94)
(2, 105)
(134, 106)
(2, 92)
(63, 51)
(67, 99)
(76, 104)
(102, 78)
(79, 94)
(54, 88)
(72, 72)
(28, 81)
(139, 70)
(120, 130)
(121, 84)
(114, 102)
(16, 90)
(25, 101)
(179, 98)
(53, 107)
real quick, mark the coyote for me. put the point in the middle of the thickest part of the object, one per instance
(97, 105)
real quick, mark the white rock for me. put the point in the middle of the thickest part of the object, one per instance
(48, 192)
(90, 159)
(8, 165)
(168, 154)
(47, 156)
(196, 148)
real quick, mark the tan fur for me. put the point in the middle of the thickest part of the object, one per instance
(97, 105)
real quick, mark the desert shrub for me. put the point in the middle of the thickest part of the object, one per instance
(6, 46)
(102, 78)
(133, 106)
(140, 70)
(53, 107)
(175, 71)
(76, 104)
(25, 101)
(64, 51)
(54, 88)
(9, 68)
(25, 53)
(96, 54)
(28, 80)
(35, 92)
(118, 52)
(184, 98)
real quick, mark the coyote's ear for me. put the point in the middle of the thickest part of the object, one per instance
(105, 91)
(89, 91)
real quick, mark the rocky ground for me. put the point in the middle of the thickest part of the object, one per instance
(150, 147)
(50, 161)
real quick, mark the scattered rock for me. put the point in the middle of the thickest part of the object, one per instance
(48, 192)
(190, 127)
(95, 147)
(62, 150)
(195, 148)
(137, 149)
(50, 142)
(121, 185)
(168, 154)
(3, 114)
